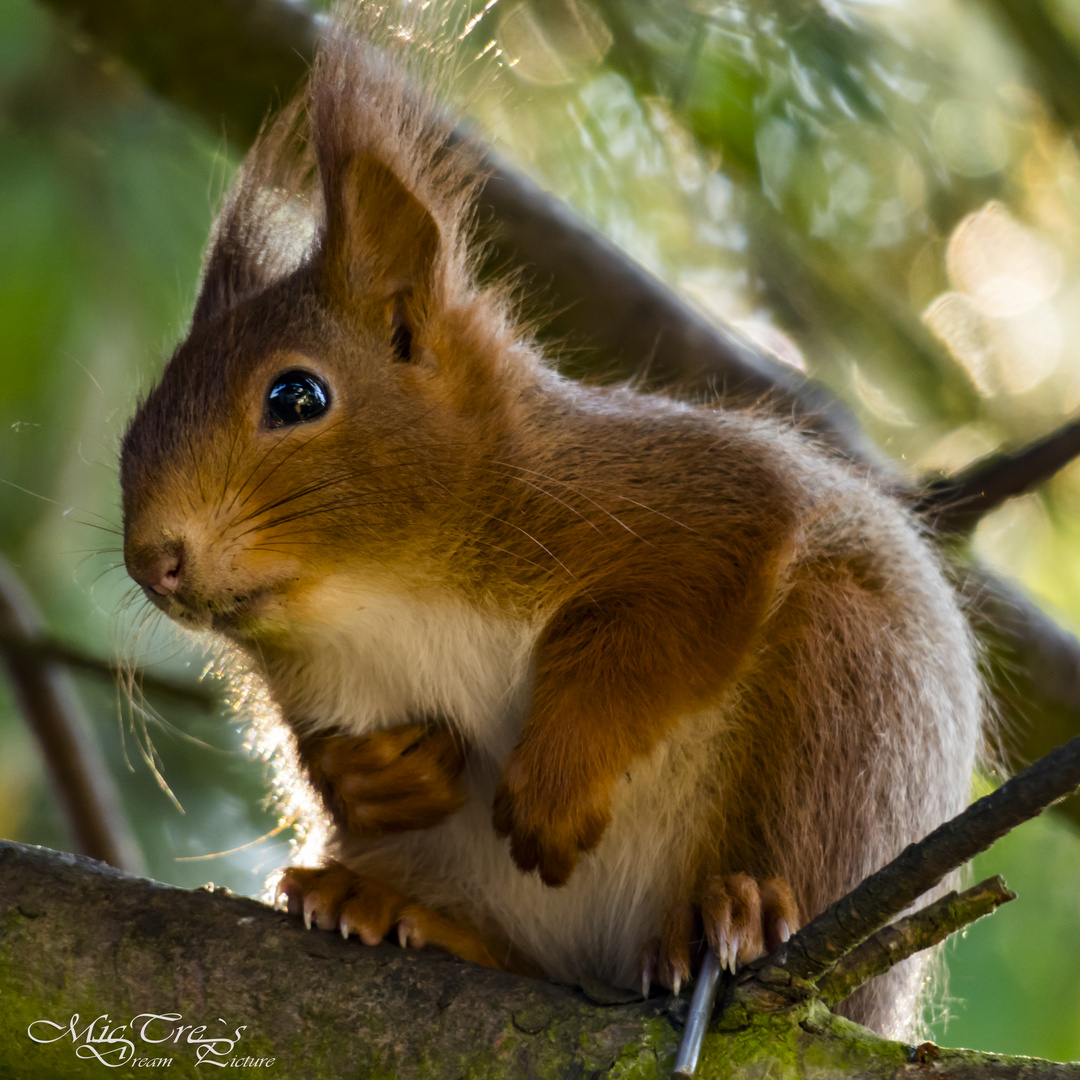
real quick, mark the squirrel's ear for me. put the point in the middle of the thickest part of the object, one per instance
(380, 241)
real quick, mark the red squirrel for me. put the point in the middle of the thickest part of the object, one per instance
(588, 680)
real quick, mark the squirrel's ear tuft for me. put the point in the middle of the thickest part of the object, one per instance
(362, 182)
(268, 223)
(380, 241)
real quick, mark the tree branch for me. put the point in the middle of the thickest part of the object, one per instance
(229, 61)
(19, 646)
(77, 937)
(81, 781)
(922, 930)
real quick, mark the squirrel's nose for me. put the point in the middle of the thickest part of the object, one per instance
(159, 571)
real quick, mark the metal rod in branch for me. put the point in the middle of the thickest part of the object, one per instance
(922, 930)
(697, 1019)
(814, 950)
(53, 713)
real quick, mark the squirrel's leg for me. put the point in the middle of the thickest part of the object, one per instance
(737, 918)
(333, 897)
(396, 780)
(613, 675)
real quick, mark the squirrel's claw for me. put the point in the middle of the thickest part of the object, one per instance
(738, 919)
(335, 898)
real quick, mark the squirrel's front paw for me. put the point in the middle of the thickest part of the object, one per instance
(737, 918)
(403, 778)
(549, 824)
(333, 897)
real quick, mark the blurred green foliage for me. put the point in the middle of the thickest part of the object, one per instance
(868, 190)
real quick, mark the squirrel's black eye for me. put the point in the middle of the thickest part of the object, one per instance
(295, 397)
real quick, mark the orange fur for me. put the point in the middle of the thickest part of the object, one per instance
(682, 644)
(393, 781)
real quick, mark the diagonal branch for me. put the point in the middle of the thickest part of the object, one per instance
(921, 930)
(231, 62)
(957, 503)
(816, 948)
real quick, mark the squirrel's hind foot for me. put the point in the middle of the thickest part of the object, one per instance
(737, 918)
(333, 897)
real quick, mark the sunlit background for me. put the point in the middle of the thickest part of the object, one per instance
(876, 193)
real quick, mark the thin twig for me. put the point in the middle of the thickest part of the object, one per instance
(956, 504)
(922, 930)
(53, 713)
(814, 950)
(48, 648)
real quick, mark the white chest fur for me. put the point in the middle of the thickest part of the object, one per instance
(596, 924)
(370, 658)
(373, 658)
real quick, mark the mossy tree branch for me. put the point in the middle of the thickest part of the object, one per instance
(925, 928)
(77, 937)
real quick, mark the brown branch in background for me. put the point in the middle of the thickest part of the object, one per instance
(955, 504)
(230, 61)
(47, 698)
(881, 897)
(922, 930)
(47, 648)
(608, 303)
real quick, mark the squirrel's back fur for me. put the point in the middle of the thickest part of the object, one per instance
(747, 640)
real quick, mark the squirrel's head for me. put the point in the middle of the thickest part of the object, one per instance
(344, 377)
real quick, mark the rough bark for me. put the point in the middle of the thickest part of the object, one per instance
(77, 937)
